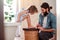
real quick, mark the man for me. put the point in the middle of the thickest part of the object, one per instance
(47, 22)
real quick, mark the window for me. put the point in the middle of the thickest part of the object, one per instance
(11, 7)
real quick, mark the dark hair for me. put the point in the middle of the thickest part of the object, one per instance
(45, 6)
(33, 8)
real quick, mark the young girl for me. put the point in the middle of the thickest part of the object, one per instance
(25, 15)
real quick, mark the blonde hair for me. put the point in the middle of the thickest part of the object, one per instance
(33, 8)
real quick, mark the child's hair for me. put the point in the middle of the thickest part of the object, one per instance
(45, 6)
(33, 8)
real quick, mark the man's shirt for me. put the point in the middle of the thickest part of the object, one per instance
(50, 21)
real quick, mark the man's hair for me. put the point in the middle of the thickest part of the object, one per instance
(45, 6)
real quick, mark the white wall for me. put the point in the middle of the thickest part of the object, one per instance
(58, 19)
(10, 32)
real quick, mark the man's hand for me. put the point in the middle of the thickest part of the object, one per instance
(38, 25)
(41, 28)
(46, 30)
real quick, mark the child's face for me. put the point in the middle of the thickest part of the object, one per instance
(31, 12)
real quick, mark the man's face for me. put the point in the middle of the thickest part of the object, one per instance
(44, 11)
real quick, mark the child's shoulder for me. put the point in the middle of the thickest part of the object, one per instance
(23, 12)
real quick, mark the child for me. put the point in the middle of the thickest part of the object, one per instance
(25, 14)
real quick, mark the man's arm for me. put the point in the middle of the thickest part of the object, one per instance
(53, 24)
(45, 30)
(53, 20)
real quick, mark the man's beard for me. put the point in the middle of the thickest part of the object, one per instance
(45, 14)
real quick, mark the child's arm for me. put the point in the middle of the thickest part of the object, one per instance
(29, 21)
(19, 15)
